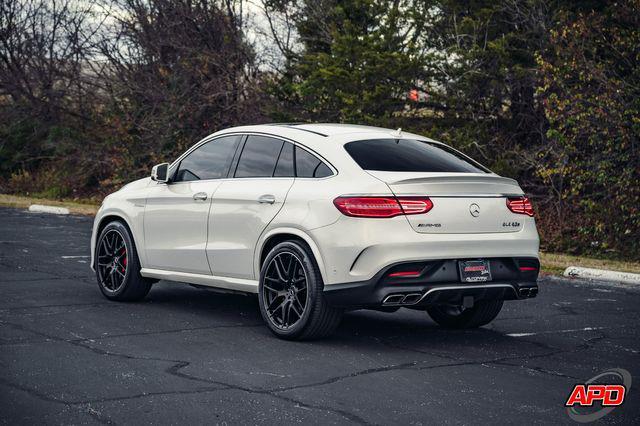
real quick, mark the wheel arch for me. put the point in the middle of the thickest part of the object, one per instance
(112, 217)
(275, 236)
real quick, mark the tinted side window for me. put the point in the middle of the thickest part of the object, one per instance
(209, 161)
(409, 155)
(259, 157)
(284, 168)
(308, 165)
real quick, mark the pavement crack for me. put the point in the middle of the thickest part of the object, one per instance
(32, 392)
(112, 336)
(148, 395)
(54, 278)
(175, 330)
(335, 379)
(173, 370)
(177, 366)
(538, 370)
(415, 365)
(65, 305)
(274, 393)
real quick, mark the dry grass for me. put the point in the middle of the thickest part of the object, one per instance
(555, 263)
(24, 203)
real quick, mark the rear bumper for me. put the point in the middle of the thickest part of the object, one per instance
(356, 249)
(438, 283)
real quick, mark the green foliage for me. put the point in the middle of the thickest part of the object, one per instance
(358, 63)
(591, 86)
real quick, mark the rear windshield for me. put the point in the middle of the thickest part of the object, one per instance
(410, 155)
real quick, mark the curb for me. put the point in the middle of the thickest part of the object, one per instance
(40, 208)
(602, 275)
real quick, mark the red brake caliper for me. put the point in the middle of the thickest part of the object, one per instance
(124, 258)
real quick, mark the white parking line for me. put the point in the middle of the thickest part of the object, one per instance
(553, 332)
(74, 257)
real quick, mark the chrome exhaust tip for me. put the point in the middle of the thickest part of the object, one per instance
(524, 292)
(411, 299)
(393, 299)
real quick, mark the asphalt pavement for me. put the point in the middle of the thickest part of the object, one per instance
(185, 355)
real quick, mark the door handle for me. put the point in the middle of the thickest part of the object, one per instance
(200, 196)
(267, 199)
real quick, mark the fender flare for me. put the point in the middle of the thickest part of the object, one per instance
(120, 215)
(293, 231)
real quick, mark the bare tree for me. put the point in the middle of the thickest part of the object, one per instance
(177, 70)
(44, 48)
(43, 45)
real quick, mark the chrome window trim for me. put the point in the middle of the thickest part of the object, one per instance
(283, 138)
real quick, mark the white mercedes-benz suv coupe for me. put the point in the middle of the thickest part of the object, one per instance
(320, 218)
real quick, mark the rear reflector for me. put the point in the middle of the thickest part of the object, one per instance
(406, 274)
(528, 268)
(382, 207)
(520, 205)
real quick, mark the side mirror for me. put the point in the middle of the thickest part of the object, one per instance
(160, 173)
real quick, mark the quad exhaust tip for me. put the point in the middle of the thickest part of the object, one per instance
(402, 299)
(413, 298)
(528, 292)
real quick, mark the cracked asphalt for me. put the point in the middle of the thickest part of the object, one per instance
(185, 355)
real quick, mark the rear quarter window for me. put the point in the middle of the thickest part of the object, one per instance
(309, 166)
(410, 155)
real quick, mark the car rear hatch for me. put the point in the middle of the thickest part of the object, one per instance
(462, 202)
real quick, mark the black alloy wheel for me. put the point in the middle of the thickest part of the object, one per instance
(285, 285)
(112, 261)
(291, 294)
(117, 265)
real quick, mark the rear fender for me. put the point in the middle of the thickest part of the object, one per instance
(293, 231)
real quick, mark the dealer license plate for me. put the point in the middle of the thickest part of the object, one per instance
(473, 271)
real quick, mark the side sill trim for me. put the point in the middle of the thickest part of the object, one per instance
(238, 284)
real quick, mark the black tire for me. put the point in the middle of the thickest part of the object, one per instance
(482, 313)
(318, 319)
(122, 269)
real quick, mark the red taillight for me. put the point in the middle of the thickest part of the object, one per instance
(368, 206)
(528, 268)
(382, 207)
(405, 274)
(415, 205)
(520, 205)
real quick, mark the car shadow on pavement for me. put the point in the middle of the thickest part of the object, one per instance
(410, 328)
